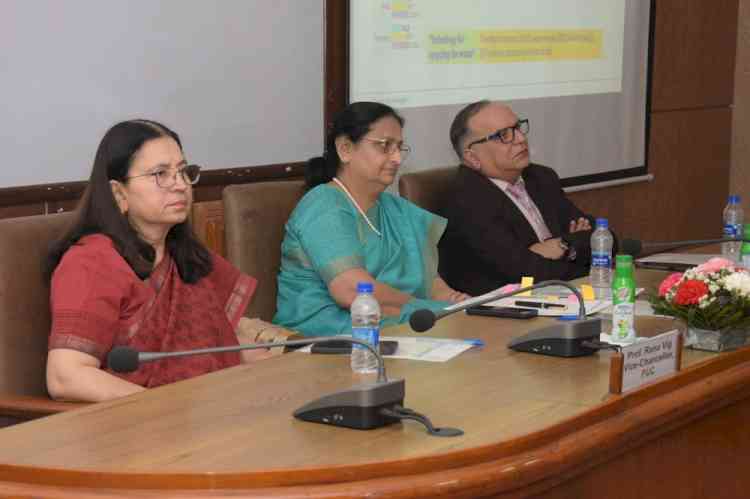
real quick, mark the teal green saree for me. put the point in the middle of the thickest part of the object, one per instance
(326, 236)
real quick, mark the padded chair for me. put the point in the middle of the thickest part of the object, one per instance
(25, 317)
(254, 219)
(426, 188)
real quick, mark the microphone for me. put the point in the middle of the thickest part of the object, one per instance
(363, 407)
(566, 339)
(634, 247)
(124, 359)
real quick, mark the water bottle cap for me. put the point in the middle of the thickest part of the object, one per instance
(364, 287)
(734, 199)
(602, 222)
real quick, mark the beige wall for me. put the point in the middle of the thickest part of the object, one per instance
(739, 181)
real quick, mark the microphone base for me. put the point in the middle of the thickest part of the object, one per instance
(560, 340)
(358, 407)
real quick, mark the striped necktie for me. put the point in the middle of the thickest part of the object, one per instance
(530, 210)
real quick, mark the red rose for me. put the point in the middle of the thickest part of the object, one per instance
(667, 283)
(690, 291)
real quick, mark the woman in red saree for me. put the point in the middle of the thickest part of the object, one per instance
(130, 272)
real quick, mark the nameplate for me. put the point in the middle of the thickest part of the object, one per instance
(649, 360)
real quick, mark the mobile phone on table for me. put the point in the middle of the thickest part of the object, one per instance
(386, 347)
(505, 312)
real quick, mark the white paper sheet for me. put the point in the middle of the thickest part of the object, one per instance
(570, 306)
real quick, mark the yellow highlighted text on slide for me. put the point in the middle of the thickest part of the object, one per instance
(498, 46)
(399, 6)
(400, 37)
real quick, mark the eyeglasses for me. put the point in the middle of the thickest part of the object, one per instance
(166, 178)
(389, 146)
(505, 135)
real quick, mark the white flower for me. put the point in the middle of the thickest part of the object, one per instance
(738, 283)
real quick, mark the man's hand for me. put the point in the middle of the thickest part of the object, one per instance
(580, 225)
(550, 249)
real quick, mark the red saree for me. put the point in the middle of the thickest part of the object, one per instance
(98, 302)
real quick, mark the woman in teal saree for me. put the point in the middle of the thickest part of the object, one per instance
(346, 229)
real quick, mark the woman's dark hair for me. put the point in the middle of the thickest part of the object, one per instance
(98, 212)
(353, 122)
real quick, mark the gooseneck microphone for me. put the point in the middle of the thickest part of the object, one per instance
(423, 319)
(634, 247)
(362, 407)
(125, 359)
(565, 339)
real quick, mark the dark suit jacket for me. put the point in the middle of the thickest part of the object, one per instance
(486, 243)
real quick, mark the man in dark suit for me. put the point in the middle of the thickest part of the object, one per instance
(507, 218)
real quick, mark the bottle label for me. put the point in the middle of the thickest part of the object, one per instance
(370, 334)
(732, 230)
(622, 321)
(623, 294)
(601, 260)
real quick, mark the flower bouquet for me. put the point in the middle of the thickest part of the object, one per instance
(714, 301)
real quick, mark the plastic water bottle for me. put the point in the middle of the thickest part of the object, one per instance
(623, 301)
(733, 218)
(365, 312)
(601, 255)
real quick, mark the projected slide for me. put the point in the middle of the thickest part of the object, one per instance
(410, 53)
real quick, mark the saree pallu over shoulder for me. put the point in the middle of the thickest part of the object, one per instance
(98, 302)
(326, 236)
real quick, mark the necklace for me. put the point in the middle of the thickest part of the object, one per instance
(356, 205)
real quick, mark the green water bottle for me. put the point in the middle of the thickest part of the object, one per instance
(745, 249)
(623, 300)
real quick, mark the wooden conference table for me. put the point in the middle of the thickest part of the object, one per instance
(535, 426)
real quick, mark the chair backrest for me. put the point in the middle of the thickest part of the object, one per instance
(254, 219)
(24, 302)
(427, 188)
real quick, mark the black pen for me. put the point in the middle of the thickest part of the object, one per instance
(537, 304)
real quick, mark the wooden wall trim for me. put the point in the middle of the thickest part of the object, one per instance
(28, 194)
(69, 191)
(337, 58)
(247, 174)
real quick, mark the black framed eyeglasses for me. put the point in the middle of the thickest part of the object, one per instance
(389, 146)
(505, 135)
(166, 178)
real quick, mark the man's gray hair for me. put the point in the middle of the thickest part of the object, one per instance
(460, 125)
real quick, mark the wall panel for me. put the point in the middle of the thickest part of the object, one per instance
(740, 171)
(694, 54)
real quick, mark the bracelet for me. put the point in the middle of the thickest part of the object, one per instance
(258, 337)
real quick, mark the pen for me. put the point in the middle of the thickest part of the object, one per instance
(474, 342)
(537, 304)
